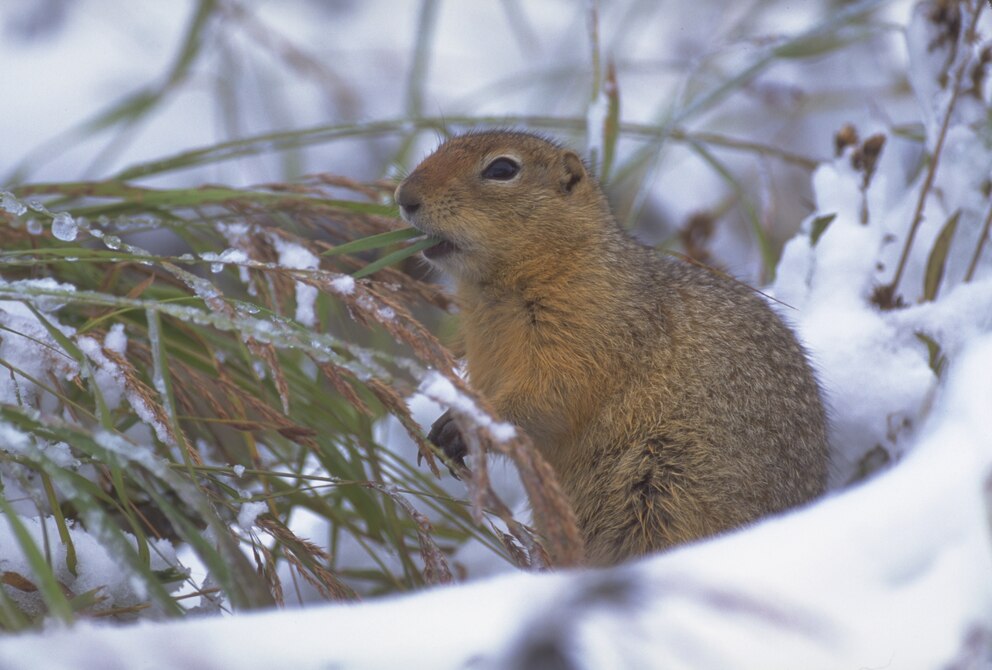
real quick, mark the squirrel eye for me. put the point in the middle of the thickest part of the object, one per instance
(501, 169)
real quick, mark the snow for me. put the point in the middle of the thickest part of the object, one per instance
(440, 389)
(368, 304)
(298, 257)
(595, 125)
(141, 408)
(29, 345)
(116, 340)
(237, 234)
(109, 376)
(96, 566)
(343, 285)
(249, 512)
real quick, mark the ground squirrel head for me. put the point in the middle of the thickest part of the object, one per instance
(487, 195)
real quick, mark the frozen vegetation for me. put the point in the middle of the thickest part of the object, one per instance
(215, 437)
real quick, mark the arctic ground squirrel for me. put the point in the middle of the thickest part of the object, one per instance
(671, 401)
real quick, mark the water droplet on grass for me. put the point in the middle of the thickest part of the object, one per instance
(64, 227)
(11, 204)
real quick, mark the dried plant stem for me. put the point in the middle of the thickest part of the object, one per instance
(932, 171)
(553, 514)
(978, 246)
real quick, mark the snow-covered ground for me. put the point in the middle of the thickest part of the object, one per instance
(895, 573)
(892, 572)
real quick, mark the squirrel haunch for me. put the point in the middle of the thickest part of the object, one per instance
(671, 402)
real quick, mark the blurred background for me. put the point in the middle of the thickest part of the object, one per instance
(725, 106)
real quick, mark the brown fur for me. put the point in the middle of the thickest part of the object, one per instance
(671, 402)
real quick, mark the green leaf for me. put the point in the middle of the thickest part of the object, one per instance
(937, 359)
(938, 258)
(819, 226)
(817, 45)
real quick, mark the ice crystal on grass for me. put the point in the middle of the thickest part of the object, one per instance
(9, 203)
(38, 206)
(64, 227)
(217, 261)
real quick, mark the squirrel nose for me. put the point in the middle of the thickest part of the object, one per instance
(407, 198)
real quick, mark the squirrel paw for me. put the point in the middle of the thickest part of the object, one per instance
(446, 435)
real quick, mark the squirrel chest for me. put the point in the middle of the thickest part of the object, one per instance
(529, 351)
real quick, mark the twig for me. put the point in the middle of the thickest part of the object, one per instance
(978, 246)
(932, 171)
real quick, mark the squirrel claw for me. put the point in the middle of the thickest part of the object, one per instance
(448, 438)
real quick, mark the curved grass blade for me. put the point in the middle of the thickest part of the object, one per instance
(374, 241)
(395, 257)
(48, 585)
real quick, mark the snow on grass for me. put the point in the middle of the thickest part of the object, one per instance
(109, 376)
(250, 511)
(28, 346)
(343, 284)
(298, 257)
(596, 124)
(97, 567)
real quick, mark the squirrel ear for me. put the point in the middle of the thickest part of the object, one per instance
(573, 171)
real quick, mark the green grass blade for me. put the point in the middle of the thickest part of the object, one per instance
(395, 257)
(374, 241)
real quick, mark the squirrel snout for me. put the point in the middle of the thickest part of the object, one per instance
(408, 199)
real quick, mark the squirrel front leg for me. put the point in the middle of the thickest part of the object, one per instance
(515, 408)
(447, 436)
